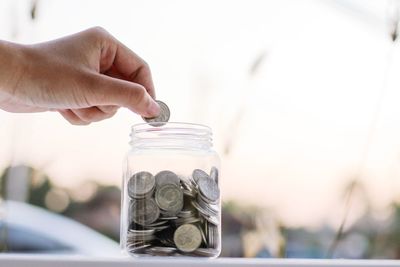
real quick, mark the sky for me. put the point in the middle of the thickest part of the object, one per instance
(305, 114)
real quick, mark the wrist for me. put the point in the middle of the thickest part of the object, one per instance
(12, 65)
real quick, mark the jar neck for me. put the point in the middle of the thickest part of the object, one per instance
(172, 135)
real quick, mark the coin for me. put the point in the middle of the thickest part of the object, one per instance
(181, 221)
(168, 218)
(162, 117)
(205, 252)
(140, 184)
(212, 235)
(134, 231)
(161, 251)
(169, 198)
(144, 211)
(157, 223)
(203, 236)
(167, 177)
(187, 184)
(140, 238)
(137, 249)
(187, 238)
(186, 213)
(211, 209)
(209, 189)
(172, 214)
(206, 214)
(197, 174)
(214, 174)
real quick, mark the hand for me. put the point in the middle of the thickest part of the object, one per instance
(86, 77)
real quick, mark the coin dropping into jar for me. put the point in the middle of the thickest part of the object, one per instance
(162, 117)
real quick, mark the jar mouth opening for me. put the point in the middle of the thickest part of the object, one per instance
(171, 134)
(140, 127)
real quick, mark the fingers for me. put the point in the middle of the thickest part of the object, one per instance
(94, 114)
(125, 62)
(112, 91)
(111, 110)
(72, 117)
(85, 116)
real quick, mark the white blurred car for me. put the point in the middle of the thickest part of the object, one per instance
(29, 229)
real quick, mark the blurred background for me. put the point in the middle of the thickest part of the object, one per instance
(302, 97)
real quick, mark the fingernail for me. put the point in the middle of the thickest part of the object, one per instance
(154, 109)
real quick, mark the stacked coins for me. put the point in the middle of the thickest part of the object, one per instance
(174, 215)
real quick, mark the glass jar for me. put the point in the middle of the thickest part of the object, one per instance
(171, 203)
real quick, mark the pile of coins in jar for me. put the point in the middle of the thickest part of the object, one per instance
(172, 215)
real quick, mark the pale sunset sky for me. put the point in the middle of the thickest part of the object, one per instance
(306, 113)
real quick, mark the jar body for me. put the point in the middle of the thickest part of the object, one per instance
(171, 204)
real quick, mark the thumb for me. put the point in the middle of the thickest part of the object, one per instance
(113, 91)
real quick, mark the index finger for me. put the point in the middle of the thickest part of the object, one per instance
(132, 67)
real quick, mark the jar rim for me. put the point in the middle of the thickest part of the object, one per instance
(171, 134)
(188, 125)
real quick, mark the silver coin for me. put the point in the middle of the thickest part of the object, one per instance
(200, 209)
(167, 177)
(187, 184)
(134, 231)
(140, 239)
(181, 221)
(161, 251)
(160, 228)
(212, 235)
(197, 174)
(135, 243)
(155, 224)
(203, 236)
(169, 198)
(168, 214)
(209, 189)
(205, 252)
(137, 249)
(144, 211)
(162, 117)
(211, 209)
(187, 238)
(186, 213)
(189, 193)
(214, 174)
(168, 218)
(141, 184)
(212, 220)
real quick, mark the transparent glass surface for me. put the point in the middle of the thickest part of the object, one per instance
(170, 198)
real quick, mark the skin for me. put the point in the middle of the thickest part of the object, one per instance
(85, 77)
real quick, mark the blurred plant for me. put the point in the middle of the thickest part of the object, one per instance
(237, 117)
(354, 188)
(34, 5)
(393, 17)
(26, 184)
(258, 230)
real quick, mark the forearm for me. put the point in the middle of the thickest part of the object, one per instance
(11, 67)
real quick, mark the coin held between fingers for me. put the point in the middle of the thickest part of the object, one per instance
(163, 116)
(154, 108)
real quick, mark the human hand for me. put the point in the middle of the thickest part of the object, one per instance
(86, 77)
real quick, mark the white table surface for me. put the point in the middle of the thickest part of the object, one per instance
(18, 260)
